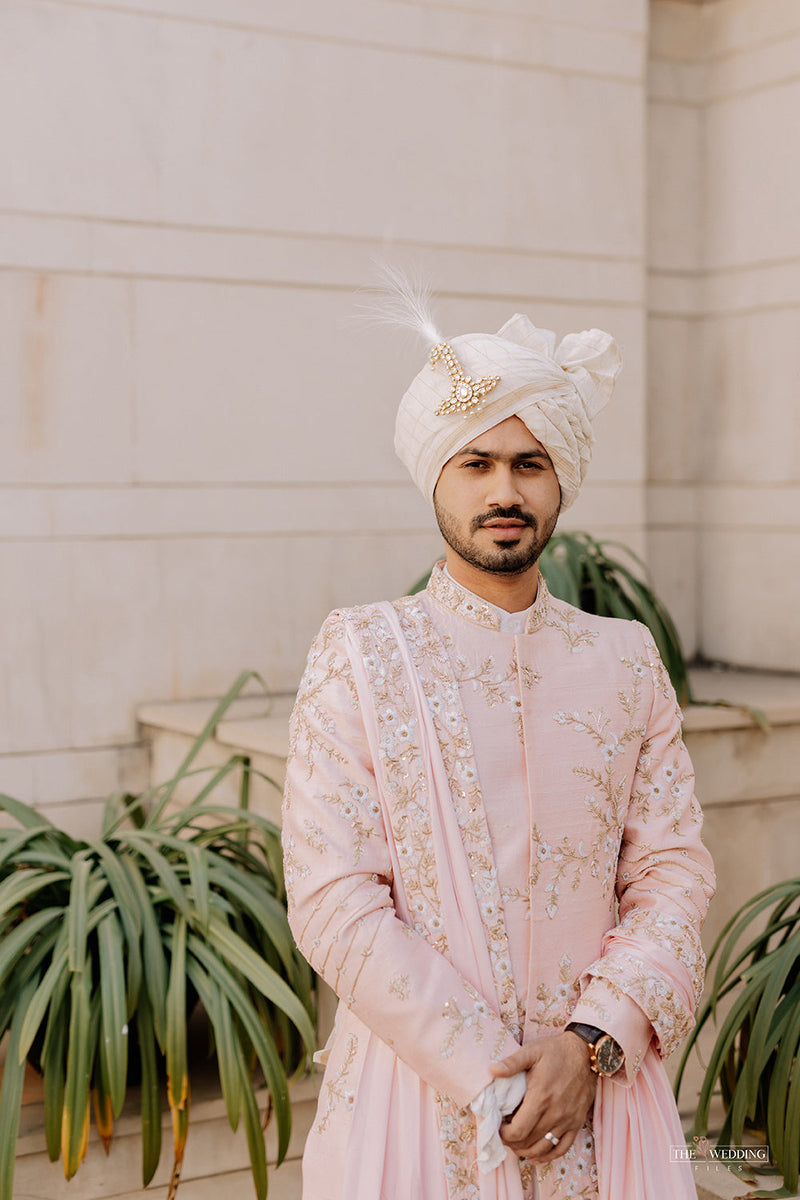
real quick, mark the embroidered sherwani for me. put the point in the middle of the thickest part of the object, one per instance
(487, 835)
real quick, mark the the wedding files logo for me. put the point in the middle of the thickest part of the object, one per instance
(701, 1151)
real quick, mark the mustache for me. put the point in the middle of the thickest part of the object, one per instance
(510, 514)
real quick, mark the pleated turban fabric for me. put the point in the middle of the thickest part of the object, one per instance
(557, 391)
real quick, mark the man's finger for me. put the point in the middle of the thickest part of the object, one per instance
(521, 1060)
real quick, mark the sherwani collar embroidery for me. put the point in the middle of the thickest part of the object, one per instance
(457, 599)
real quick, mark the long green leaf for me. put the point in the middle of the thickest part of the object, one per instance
(153, 958)
(11, 1099)
(253, 1129)
(142, 843)
(238, 954)
(54, 1075)
(205, 734)
(219, 1014)
(150, 1098)
(22, 886)
(177, 1069)
(24, 814)
(78, 911)
(114, 1037)
(22, 938)
(59, 965)
(75, 1127)
(259, 1035)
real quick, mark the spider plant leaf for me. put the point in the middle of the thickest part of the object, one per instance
(180, 1130)
(198, 802)
(745, 1003)
(19, 941)
(114, 1036)
(258, 1034)
(218, 1008)
(177, 1065)
(197, 861)
(729, 937)
(207, 732)
(153, 959)
(18, 839)
(103, 1114)
(24, 815)
(266, 910)
(75, 1124)
(21, 886)
(791, 1141)
(150, 1095)
(130, 919)
(142, 844)
(78, 913)
(781, 1073)
(11, 1097)
(761, 1042)
(53, 1073)
(233, 950)
(253, 1129)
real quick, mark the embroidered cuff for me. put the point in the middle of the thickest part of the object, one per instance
(496, 1101)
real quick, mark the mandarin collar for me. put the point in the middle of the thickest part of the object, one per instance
(466, 604)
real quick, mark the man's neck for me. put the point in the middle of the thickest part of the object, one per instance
(512, 593)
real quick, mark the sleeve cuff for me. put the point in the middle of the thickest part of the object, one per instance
(619, 1015)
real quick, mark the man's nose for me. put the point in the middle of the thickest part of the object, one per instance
(503, 489)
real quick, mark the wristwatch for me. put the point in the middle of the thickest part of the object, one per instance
(606, 1055)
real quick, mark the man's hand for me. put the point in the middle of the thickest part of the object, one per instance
(561, 1088)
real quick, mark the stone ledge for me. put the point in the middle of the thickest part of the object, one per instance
(259, 725)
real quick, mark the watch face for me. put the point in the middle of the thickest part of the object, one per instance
(609, 1055)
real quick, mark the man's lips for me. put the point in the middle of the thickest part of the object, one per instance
(505, 527)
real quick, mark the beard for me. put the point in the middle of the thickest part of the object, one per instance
(513, 557)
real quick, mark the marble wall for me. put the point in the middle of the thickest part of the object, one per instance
(195, 438)
(724, 325)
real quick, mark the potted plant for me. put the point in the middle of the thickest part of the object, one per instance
(755, 1061)
(105, 944)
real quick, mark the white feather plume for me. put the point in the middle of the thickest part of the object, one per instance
(403, 300)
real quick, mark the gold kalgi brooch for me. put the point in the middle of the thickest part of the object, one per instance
(465, 392)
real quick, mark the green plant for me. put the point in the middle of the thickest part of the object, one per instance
(755, 1061)
(106, 943)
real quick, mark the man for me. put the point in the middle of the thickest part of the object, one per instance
(491, 840)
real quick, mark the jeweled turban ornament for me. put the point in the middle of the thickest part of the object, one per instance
(466, 393)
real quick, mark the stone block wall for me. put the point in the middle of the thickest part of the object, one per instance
(196, 438)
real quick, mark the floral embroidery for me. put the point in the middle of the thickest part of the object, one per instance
(313, 725)
(574, 1174)
(457, 1134)
(558, 860)
(554, 1005)
(351, 806)
(473, 1019)
(399, 986)
(315, 836)
(565, 619)
(334, 1087)
(457, 599)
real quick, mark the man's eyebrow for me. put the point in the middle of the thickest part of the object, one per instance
(475, 452)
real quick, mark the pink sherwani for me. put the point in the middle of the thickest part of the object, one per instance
(485, 836)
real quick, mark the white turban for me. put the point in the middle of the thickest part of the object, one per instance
(555, 391)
